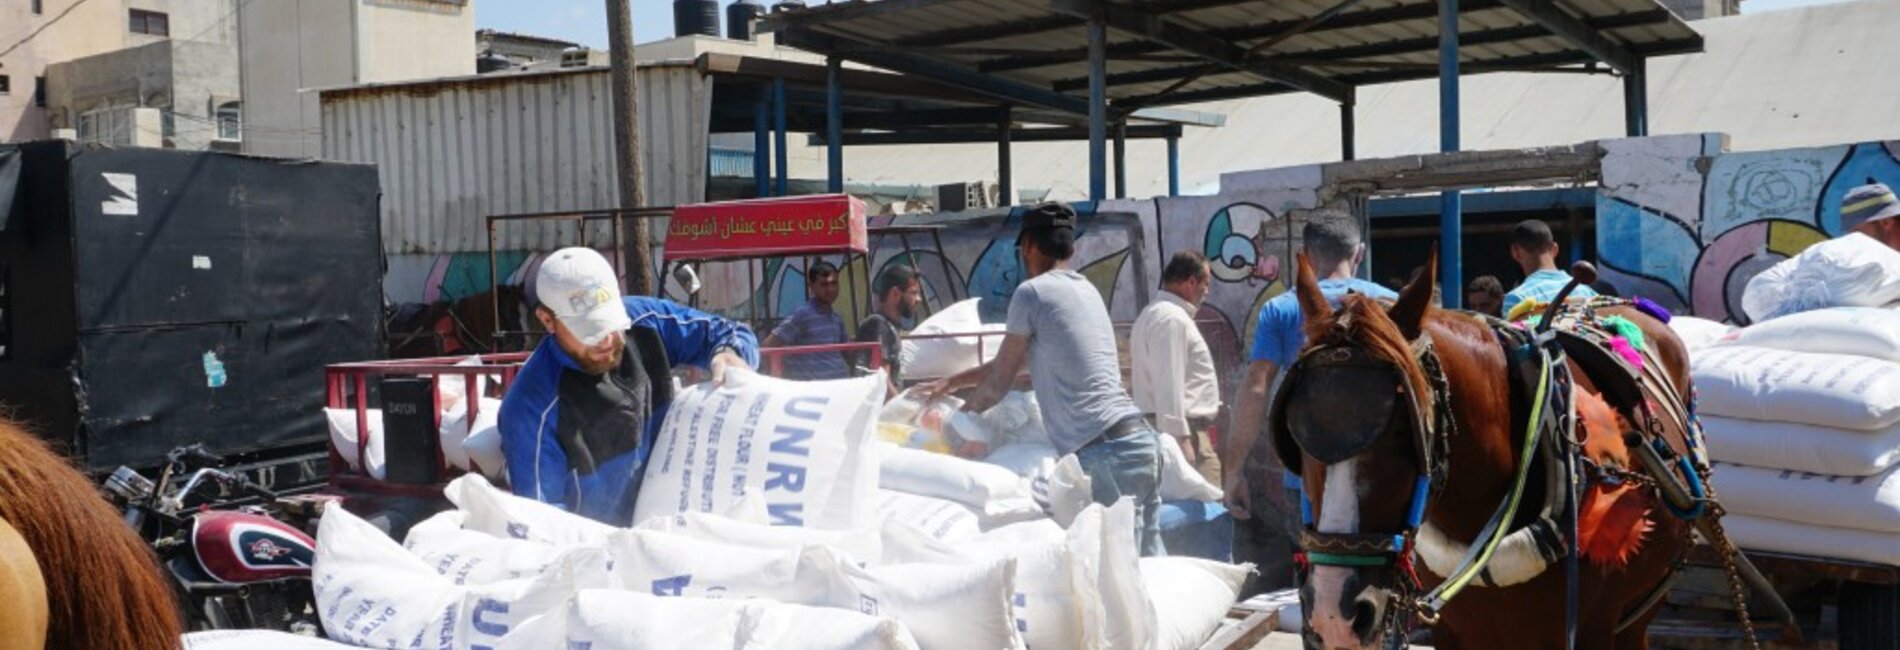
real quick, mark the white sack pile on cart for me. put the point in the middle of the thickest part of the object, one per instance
(1802, 415)
(470, 449)
(770, 516)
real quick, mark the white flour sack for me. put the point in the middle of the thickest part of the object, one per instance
(454, 438)
(1829, 390)
(929, 358)
(1859, 331)
(1857, 502)
(489, 510)
(1191, 596)
(1698, 333)
(343, 438)
(804, 447)
(999, 494)
(1179, 479)
(370, 592)
(1801, 447)
(1763, 534)
(624, 620)
(863, 545)
(254, 639)
(945, 605)
(468, 557)
(1854, 270)
(665, 564)
(939, 519)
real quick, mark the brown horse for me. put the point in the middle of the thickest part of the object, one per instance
(1375, 428)
(75, 576)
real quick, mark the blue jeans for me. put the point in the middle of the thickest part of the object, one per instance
(1129, 466)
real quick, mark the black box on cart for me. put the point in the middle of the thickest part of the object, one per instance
(151, 298)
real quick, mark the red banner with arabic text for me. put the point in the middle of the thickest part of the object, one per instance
(826, 224)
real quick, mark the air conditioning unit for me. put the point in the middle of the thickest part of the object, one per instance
(581, 57)
(956, 197)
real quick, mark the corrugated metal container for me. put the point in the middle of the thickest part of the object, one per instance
(450, 152)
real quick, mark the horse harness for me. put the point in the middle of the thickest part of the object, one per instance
(1567, 332)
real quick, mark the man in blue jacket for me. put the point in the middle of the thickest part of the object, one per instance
(580, 418)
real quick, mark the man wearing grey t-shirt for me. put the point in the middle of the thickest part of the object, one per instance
(1059, 324)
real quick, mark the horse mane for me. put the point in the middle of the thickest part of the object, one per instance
(104, 588)
(1361, 321)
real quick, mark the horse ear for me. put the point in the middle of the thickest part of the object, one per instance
(1415, 300)
(1313, 304)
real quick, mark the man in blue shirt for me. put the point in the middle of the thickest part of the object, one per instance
(1535, 250)
(813, 323)
(1263, 533)
(580, 418)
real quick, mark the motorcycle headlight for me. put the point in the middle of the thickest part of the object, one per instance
(128, 484)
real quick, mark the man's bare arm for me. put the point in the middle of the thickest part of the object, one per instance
(1250, 409)
(1002, 374)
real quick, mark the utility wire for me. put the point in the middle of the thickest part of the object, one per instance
(36, 32)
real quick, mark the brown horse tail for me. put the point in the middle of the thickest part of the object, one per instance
(104, 588)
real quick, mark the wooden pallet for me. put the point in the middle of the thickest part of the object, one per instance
(1245, 627)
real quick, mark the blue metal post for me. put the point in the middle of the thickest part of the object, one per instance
(761, 147)
(1098, 109)
(1450, 208)
(834, 124)
(780, 156)
(1636, 100)
(1174, 166)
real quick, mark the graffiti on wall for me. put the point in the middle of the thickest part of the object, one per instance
(1693, 246)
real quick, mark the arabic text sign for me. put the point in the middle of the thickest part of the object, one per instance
(804, 225)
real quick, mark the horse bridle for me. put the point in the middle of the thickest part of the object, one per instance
(1428, 409)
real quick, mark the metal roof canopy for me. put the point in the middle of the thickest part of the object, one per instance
(1162, 52)
(1128, 55)
(773, 97)
(883, 102)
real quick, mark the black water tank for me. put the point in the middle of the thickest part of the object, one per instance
(739, 17)
(695, 17)
(492, 62)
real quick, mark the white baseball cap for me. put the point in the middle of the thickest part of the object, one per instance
(580, 287)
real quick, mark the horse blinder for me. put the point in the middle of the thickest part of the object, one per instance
(1335, 403)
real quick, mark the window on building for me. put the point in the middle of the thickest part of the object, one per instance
(150, 22)
(39, 92)
(6, 84)
(230, 121)
(38, 7)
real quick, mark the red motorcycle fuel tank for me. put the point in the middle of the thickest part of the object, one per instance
(240, 547)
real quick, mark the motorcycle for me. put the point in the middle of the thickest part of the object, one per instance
(233, 567)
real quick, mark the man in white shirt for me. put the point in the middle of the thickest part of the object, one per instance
(1174, 375)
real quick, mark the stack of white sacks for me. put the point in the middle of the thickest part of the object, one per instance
(771, 517)
(1802, 415)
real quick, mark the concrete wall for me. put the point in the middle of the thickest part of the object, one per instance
(90, 28)
(1684, 223)
(289, 47)
(184, 80)
(413, 39)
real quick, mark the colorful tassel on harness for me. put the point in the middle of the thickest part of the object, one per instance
(1628, 352)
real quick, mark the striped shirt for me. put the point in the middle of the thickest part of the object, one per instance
(813, 323)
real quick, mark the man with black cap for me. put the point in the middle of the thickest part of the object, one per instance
(1870, 215)
(1059, 325)
(580, 418)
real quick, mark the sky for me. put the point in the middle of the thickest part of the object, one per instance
(585, 21)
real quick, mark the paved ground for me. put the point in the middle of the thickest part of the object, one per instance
(1284, 641)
